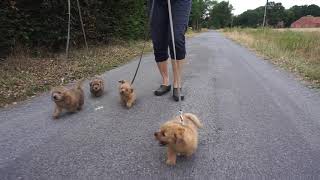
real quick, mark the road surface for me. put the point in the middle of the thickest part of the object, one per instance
(259, 122)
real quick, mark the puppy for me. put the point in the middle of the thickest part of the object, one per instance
(97, 86)
(180, 139)
(127, 94)
(71, 100)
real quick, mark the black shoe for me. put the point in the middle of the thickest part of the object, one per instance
(163, 89)
(176, 96)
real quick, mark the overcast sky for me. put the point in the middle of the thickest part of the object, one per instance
(242, 5)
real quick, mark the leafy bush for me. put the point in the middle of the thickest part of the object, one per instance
(43, 23)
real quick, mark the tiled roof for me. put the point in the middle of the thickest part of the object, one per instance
(307, 21)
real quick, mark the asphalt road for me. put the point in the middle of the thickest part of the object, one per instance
(259, 123)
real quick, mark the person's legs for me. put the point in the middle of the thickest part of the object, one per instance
(160, 39)
(163, 69)
(177, 71)
(180, 12)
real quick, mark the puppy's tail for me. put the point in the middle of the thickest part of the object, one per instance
(79, 83)
(194, 119)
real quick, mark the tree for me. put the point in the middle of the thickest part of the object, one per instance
(289, 17)
(199, 13)
(276, 13)
(250, 18)
(220, 15)
(39, 23)
(296, 12)
(313, 10)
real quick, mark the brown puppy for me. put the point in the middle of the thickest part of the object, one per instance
(127, 94)
(68, 99)
(181, 139)
(97, 86)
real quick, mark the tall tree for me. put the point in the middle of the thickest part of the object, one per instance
(276, 13)
(199, 13)
(220, 15)
(250, 18)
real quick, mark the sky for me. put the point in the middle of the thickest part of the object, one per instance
(242, 5)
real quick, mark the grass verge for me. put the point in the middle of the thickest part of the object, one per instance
(297, 51)
(22, 76)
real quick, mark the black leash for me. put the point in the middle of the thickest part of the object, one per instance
(145, 41)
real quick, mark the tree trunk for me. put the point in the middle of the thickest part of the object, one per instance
(194, 25)
(69, 22)
(84, 33)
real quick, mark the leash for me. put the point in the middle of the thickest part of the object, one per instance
(174, 51)
(145, 41)
(175, 59)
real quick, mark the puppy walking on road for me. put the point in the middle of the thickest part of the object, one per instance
(71, 100)
(127, 94)
(97, 86)
(181, 139)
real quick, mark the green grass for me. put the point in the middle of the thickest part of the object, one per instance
(297, 51)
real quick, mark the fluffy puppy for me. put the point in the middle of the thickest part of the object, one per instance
(97, 86)
(180, 139)
(71, 100)
(127, 94)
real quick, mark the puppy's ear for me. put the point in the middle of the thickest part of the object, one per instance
(52, 90)
(90, 84)
(100, 81)
(58, 89)
(121, 81)
(131, 90)
(179, 136)
(55, 89)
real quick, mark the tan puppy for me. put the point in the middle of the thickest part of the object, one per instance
(97, 86)
(127, 94)
(71, 100)
(181, 139)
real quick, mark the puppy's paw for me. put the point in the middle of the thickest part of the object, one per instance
(161, 143)
(170, 162)
(129, 105)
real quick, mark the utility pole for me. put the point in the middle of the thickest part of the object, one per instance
(265, 14)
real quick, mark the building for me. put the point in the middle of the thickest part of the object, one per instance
(307, 22)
